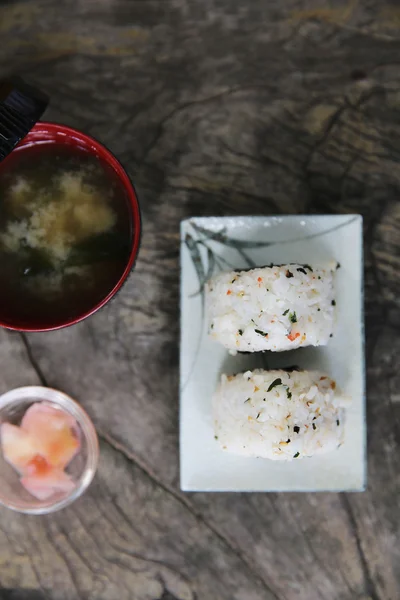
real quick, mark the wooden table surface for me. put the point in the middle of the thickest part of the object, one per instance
(216, 107)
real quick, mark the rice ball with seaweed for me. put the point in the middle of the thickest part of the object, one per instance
(279, 415)
(271, 308)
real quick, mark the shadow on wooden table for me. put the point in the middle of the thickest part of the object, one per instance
(18, 594)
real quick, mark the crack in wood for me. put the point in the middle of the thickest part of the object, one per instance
(66, 561)
(184, 106)
(369, 582)
(138, 462)
(32, 359)
(129, 455)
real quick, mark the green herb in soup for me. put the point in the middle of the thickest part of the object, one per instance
(65, 234)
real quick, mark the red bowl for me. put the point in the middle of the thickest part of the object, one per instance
(43, 133)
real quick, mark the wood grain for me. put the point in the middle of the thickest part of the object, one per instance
(215, 107)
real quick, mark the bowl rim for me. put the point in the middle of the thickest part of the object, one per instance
(74, 137)
(38, 393)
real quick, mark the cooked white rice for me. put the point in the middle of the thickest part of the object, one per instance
(271, 308)
(278, 415)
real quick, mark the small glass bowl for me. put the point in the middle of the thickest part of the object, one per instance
(13, 406)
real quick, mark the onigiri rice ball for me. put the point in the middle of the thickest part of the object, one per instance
(279, 415)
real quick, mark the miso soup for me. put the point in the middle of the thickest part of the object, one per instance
(65, 234)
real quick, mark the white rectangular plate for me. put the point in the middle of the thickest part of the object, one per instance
(209, 245)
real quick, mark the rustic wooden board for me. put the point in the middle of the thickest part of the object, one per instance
(215, 107)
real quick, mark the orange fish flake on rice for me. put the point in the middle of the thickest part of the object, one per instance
(293, 336)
